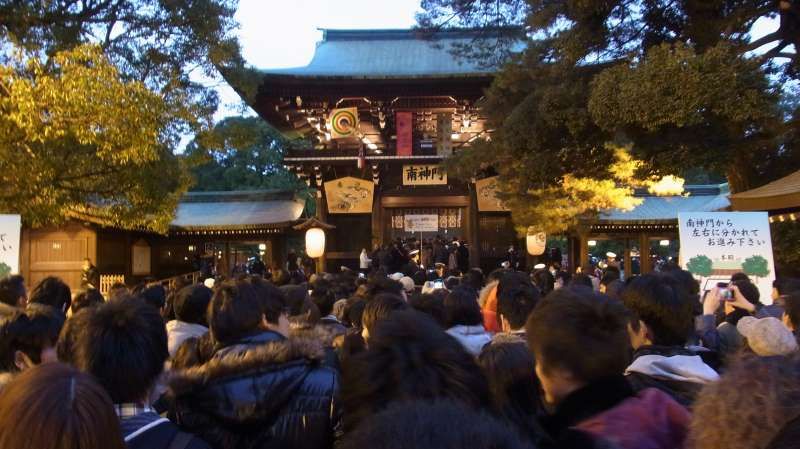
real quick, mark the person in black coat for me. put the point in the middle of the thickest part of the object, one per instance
(260, 389)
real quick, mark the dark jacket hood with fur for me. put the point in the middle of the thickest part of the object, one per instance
(262, 389)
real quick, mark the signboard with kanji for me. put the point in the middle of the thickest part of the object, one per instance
(421, 223)
(424, 175)
(10, 226)
(715, 245)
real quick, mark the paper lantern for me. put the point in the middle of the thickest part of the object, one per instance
(536, 242)
(315, 242)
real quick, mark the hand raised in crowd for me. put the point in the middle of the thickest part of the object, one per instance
(740, 301)
(711, 302)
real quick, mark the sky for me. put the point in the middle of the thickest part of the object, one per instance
(284, 33)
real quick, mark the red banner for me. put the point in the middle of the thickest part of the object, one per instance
(405, 123)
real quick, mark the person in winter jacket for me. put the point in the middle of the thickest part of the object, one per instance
(409, 358)
(190, 307)
(260, 389)
(660, 325)
(725, 338)
(580, 343)
(123, 344)
(464, 321)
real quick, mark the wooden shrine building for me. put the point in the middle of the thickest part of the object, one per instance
(378, 111)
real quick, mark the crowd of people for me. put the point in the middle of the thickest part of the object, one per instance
(356, 360)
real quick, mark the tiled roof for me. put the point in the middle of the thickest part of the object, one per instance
(371, 54)
(236, 210)
(664, 208)
(783, 193)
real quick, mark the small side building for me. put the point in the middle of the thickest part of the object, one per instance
(210, 229)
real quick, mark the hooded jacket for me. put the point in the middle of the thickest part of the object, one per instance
(473, 338)
(608, 414)
(180, 331)
(676, 371)
(264, 391)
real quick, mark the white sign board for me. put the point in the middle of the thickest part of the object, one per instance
(10, 226)
(715, 245)
(421, 223)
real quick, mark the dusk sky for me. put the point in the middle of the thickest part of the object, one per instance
(283, 33)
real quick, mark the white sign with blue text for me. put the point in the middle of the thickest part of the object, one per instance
(715, 245)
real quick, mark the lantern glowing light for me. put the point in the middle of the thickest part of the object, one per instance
(535, 242)
(315, 242)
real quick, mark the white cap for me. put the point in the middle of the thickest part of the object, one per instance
(611, 255)
(408, 283)
(209, 282)
(767, 336)
(396, 276)
(539, 266)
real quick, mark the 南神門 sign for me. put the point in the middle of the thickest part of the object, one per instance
(715, 245)
(10, 226)
(424, 175)
(421, 223)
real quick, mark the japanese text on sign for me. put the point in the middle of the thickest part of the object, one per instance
(424, 175)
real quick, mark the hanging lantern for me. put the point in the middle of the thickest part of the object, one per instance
(536, 242)
(315, 236)
(315, 242)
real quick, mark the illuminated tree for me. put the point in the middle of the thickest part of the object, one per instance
(78, 141)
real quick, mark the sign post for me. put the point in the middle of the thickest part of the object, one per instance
(715, 245)
(10, 227)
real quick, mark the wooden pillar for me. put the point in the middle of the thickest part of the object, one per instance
(627, 261)
(583, 246)
(377, 219)
(471, 229)
(322, 215)
(644, 253)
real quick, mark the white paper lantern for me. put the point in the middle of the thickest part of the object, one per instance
(536, 242)
(315, 242)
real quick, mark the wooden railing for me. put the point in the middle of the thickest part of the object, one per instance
(193, 277)
(108, 280)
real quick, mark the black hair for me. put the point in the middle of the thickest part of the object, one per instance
(509, 367)
(581, 332)
(12, 288)
(296, 297)
(53, 292)
(155, 295)
(382, 284)
(442, 424)
(750, 293)
(191, 303)
(409, 357)
(739, 277)
(380, 308)
(431, 304)
(65, 347)
(271, 298)
(124, 346)
(354, 311)
(785, 286)
(663, 305)
(29, 332)
(323, 297)
(235, 312)
(791, 307)
(615, 288)
(543, 280)
(89, 297)
(516, 305)
(582, 280)
(474, 278)
(686, 279)
(461, 308)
